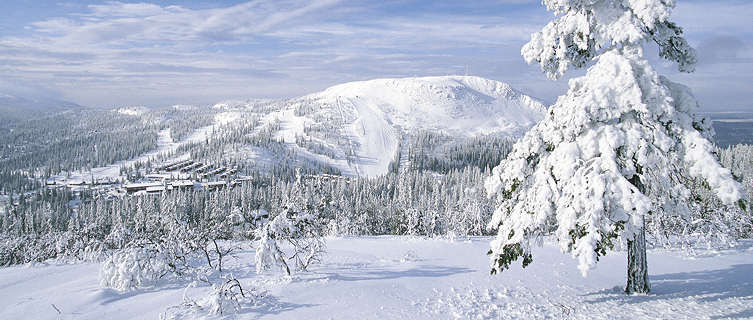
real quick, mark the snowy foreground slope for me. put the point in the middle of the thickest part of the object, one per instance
(412, 278)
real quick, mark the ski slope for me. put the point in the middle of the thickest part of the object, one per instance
(411, 278)
(374, 115)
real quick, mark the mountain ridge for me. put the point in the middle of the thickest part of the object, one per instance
(362, 124)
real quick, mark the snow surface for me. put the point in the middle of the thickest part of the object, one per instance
(417, 278)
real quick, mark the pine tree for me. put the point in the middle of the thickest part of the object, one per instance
(622, 146)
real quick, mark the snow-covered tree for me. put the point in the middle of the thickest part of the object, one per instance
(294, 239)
(622, 146)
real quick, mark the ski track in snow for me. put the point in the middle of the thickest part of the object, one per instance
(376, 139)
(393, 277)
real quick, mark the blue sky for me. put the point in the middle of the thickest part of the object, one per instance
(199, 52)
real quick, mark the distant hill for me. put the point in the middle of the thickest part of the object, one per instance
(14, 107)
(360, 126)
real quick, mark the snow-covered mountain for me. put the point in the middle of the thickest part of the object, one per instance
(358, 126)
(460, 105)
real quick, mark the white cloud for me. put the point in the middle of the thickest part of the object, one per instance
(143, 53)
(118, 45)
(119, 9)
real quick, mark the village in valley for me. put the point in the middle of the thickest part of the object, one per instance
(180, 175)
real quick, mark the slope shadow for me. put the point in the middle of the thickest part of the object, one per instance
(706, 286)
(360, 272)
(106, 295)
(254, 305)
(269, 304)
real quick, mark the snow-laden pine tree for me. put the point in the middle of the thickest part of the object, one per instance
(621, 146)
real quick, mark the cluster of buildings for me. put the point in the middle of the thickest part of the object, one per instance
(151, 187)
(199, 175)
(202, 170)
(181, 175)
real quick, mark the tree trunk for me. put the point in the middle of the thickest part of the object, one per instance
(637, 268)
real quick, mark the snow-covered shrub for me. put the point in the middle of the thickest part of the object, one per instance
(119, 236)
(174, 254)
(410, 256)
(167, 247)
(16, 250)
(73, 245)
(225, 298)
(710, 224)
(739, 159)
(293, 240)
(132, 268)
(245, 224)
(469, 216)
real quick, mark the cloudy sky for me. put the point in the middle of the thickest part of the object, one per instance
(166, 52)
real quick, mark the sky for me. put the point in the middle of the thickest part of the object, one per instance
(160, 52)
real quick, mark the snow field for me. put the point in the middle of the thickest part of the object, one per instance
(394, 277)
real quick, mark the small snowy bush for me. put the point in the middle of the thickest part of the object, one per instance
(152, 257)
(78, 246)
(132, 268)
(224, 298)
(293, 239)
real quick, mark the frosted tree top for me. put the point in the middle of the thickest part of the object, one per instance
(585, 28)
